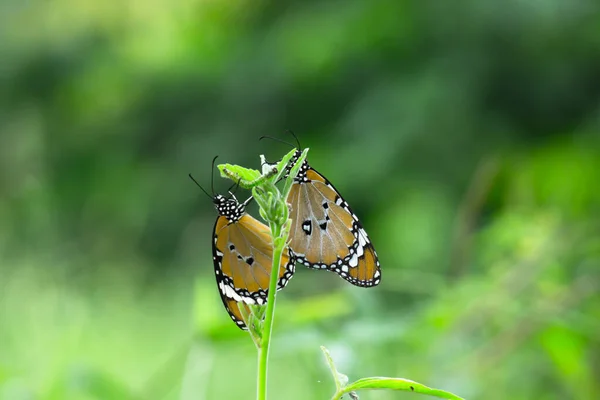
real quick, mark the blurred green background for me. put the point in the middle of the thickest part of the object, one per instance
(464, 134)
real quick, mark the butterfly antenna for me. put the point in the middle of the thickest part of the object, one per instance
(236, 185)
(295, 137)
(197, 184)
(276, 139)
(212, 176)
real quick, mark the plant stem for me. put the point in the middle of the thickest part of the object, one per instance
(263, 353)
(338, 395)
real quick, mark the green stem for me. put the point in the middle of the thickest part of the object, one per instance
(263, 353)
(338, 395)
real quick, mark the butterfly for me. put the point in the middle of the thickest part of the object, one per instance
(325, 233)
(242, 257)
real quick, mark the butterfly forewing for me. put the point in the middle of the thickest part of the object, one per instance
(321, 230)
(326, 234)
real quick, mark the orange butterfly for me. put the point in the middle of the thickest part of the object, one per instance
(242, 257)
(325, 233)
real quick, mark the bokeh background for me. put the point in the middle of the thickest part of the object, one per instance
(464, 134)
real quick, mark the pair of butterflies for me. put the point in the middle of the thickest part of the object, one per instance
(325, 234)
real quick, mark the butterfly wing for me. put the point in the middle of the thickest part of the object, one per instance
(233, 308)
(242, 255)
(326, 234)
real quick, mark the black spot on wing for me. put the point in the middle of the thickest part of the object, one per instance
(307, 226)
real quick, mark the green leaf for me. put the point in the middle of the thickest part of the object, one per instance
(380, 383)
(399, 384)
(281, 164)
(253, 316)
(340, 379)
(246, 177)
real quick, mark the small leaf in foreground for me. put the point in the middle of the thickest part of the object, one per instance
(399, 384)
(337, 377)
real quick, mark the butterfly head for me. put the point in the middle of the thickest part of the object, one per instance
(230, 208)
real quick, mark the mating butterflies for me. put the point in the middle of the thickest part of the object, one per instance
(325, 233)
(242, 257)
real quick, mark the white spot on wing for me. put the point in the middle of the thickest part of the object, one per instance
(248, 300)
(229, 292)
(362, 237)
(360, 251)
(353, 261)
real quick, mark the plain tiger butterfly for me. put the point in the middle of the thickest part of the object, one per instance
(325, 233)
(242, 257)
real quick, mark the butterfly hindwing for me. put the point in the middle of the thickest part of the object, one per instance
(325, 233)
(233, 309)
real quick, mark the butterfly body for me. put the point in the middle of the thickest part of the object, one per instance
(325, 233)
